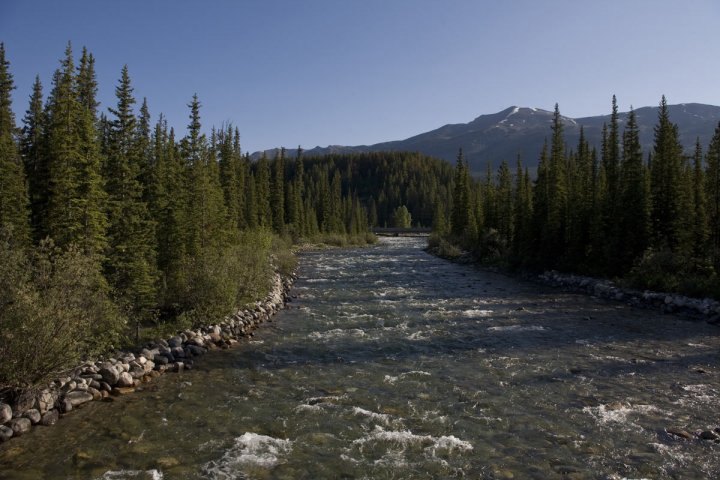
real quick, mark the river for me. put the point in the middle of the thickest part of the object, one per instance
(393, 364)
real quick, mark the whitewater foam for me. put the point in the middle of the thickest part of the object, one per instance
(249, 449)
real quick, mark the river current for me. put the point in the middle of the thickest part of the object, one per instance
(393, 364)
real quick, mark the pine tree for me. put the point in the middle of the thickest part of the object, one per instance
(75, 212)
(712, 193)
(14, 202)
(504, 208)
(666, 172)
(634, 218)
(130, 264)
(461, 216)
(700, 223)
(262, 192)
(35, 159)
(278, 193)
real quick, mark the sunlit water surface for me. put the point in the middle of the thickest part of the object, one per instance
(391, 363)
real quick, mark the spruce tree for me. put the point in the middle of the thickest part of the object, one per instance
(634, 218)
(14, 202)
(36, 161)
(75, 212)
(700, 220)
(666, 183)
(130, 263)
(278, 193)
(712, 193)
(262, 192)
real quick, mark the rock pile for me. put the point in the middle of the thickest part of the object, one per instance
(706, 308)
(125, 371)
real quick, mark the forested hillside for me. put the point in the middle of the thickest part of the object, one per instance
(651, 217)
(110, 220)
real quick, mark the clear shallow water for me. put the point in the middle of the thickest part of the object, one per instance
(394, 364)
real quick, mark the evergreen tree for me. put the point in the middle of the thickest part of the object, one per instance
(700, 223)
(14, 202)
(634, 218)
(76, 197)
(35, 159)
(712, 192)
(461, 216)
(504, 205)
(278, 193)
(130, 263)
(666, 172)
(262, 191)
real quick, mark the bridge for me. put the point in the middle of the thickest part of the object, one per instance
(402, 232)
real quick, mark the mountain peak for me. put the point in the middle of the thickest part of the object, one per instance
(516, 130)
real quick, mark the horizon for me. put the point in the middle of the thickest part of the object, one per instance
(328, 73)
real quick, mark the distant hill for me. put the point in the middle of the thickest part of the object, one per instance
(519, 130)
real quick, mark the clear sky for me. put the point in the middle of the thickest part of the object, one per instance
(350, 72)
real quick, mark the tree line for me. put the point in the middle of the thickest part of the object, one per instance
(652, 218)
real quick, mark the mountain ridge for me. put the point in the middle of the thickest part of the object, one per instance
(491, 138)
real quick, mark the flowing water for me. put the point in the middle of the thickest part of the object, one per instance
(391, 363)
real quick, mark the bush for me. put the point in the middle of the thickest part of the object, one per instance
(214, 283)
(442, 248)
(665, 271)
(54, 312)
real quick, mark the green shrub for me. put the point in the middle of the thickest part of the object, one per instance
(54, 312)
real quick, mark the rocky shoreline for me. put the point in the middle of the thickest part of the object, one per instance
(124, 371)
(696, 308)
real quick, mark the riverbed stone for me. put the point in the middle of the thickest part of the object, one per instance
(109, 374)
(64, 405)
(161, 359)
(178, 352)
(33, 415)
(78, 397)
(117, 391)
(50, 418)
(678, 432)
(45, 400)
(125, 380)
(6, 412)
(20, 426)
(175, 342)
(6, 433)
(708, 435)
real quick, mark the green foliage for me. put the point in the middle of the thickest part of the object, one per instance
(55, 312)
(402, 217)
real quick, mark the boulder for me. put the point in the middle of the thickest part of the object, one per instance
(64, 405)
(175, 342)
(78, 397)
(20, 426)
(708, 435)
(33, 415)
(5, 412)
(125, 380)
(96, 395)
(109, 374)
(6, 433)
(50, 418)
(679, 433)
(122, 390)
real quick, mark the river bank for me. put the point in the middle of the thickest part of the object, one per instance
(124, 371)
(703, 309)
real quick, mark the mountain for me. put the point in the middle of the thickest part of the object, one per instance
(489, 139)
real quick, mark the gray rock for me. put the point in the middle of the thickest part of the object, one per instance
(195, 350)
(64, 405)
(33, 415)
(6, 433)
(110, 374)
(125, 380)
(708, 435)
(138, 372)
(50, 418)
(105, 386)
(175, 342)
(161, 359)
(26, 402)
(78, 397)
(5, 412)
(178, 352)
(46, 400)
(94, 384)
(20, 426)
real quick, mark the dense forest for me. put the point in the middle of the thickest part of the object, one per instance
(651, 219)
(110, 222)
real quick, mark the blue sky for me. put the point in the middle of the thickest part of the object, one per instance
(319, 72)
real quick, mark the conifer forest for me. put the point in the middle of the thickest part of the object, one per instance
(113, 223)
